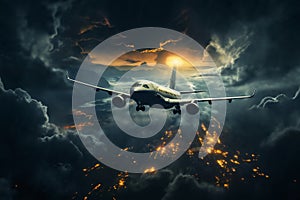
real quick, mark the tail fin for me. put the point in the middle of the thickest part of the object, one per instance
(173, 78)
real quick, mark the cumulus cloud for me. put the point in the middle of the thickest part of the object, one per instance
(192, 189)
(281, 157)
(35, 154)
(148, 186)
(226, 52)
(166, 185)
(39, 42)
(280, 132)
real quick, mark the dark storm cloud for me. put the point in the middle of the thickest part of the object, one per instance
(29, 45)
(255, 44)
(167, 185)
(37, 158)
(269, 64)
(281, 132)
(5, 189)
(273, 134)
(260, 19)
(192, 189)
(28, 41)
(268, 28)
(282, 159)
(148, 186)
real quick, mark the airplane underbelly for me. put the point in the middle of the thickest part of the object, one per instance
(150, 98)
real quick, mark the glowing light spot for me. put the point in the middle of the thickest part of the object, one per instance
(217, 151)
(203, 127)
(190, 152)
(149, 170)
(247, 160)
(126, 149)
(235, 161)
(97, 187)
(174, 61)
(121, 182)
(222, 163)
(79, 126)
(209, 150)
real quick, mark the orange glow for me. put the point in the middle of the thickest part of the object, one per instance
(78, 126)
(209, 150)
(146, 57)
(97, 187)
(247, 160)
(81, 113)
(149, 170)
(222, 163)
(190, 152)
(106, 22)
(203, 127)
(121, 182)
(235, 161)
(217, 151)
(87, 28)
(126, 149)
(88, 170)
(174, 61)
(95, 24)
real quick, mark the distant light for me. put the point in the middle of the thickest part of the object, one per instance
(174, 61)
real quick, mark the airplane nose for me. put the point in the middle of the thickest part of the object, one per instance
(137, 89)
(134, 90)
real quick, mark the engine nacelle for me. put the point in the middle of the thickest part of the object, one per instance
(119, 101)
(192, 108)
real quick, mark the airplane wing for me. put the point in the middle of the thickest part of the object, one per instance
(190, 92)
(209, 100)
(97, 88)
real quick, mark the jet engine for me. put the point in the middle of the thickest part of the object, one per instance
(118, 101)
(192, 108)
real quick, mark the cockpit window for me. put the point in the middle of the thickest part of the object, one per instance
(136, 85)
(145, 86)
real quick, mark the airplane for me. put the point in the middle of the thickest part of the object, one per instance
(149, 93)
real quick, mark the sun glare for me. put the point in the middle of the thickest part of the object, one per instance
(174, 61)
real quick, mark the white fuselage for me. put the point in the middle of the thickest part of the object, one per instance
(150, 93)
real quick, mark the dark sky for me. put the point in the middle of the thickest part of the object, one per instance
(255, 45)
